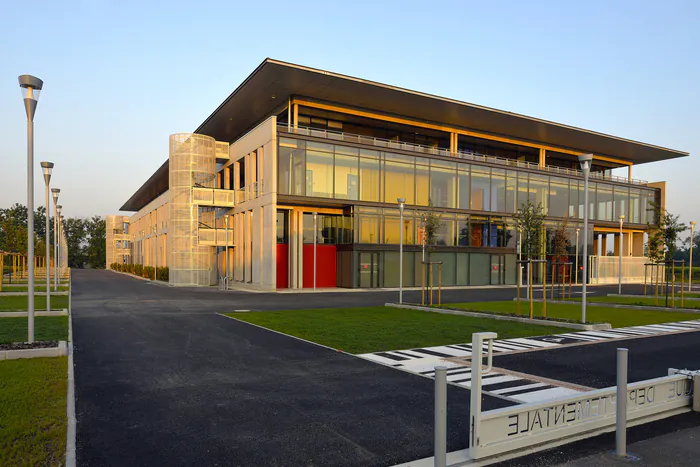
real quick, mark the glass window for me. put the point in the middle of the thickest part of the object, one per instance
(634, 206)
(321, 147)
(445, 234)
(539, 187)
(621, 195)
(346, 177)
(559, 197)
(369, 179)
(398, 181)
(478, 231)
(443, 183)
(463, 231)
(423, 181)
(523, 193)
(319, 173)
(498, 190)
(646, 213)
(604, 198)
(481, 190)
(511, 191)
(573, 199)
(290, 166)
(308, 234)
(463, 180)
(369, 228)
(282, 226)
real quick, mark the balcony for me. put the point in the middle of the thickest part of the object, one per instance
(213, 197)
(390, 144)
(214, 237)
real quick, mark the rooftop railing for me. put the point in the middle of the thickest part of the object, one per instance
(471, 156)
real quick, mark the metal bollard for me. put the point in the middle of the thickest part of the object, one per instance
(696, 392)
(621, 404)
(440, 447)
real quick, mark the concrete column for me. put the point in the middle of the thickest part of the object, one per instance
(629, 173)
(638, 244)
(616, 248)
(453, 142)
(604, 244)
(543, 158)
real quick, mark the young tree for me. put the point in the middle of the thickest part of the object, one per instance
(663, 234)
(530, 221)
(430, 221)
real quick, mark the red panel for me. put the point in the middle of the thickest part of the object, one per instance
(325, 266)
(282, 266)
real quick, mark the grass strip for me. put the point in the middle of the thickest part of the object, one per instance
(617, 317)
(21, 302)
(46, 328)
(33, 411)
(372, 329)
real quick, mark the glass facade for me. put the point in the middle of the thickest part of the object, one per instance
(322, 170)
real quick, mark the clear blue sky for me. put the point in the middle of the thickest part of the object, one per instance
(120, 76)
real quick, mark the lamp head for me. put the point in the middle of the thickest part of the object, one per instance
(55, 192)
(401, 200)
(692, 224)
(47, 168)
(622, 217)
(585, 161)
(31, 87)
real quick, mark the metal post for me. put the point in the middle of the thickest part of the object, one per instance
(315, 216)
(226, 265)
(690, 266)
(422, 284)
(529, 283)
(519, 269)
(619, 275)
(30, 228)
(439, 284)
(475, 390)
(401, 204)
(55, 247)
(430, 283)
(544, 291)
(645, 280)
(682, 280)
(440, 416)
(48, 249)
(586, 167)
(673, 283)
(621, 404)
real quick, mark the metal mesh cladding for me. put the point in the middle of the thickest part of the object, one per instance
(192, 163)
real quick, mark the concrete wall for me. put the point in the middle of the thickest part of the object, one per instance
(150, 228)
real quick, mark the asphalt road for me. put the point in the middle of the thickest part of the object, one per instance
(161, 380)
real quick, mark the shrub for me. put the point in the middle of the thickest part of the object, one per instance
(149, 272)
(163, 274)
(138, 269)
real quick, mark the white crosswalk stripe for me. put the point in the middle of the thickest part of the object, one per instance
(424, 360)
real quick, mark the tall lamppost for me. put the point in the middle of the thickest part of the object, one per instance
(315, 232)
(692, 239)
(60, 239)
(55, 192)
(47, 167)
(585, 161)
(619, 278)
(402, 202)
(31, 87)
(576, 276)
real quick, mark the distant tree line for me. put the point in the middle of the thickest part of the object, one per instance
(86, 237)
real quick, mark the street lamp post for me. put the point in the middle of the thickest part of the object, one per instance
(619, 278)
(402, 202)
(690, 271)
(585, 161)
(31, 87)
(55, 192)
(576, 276)
(315, 241)
(60, 239)
(47, 167)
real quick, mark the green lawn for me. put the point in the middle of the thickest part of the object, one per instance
(37, 288)
(46, 328)
(33, 411)
(617, 317)
(19, 302)
(647, 301)
(371, 329)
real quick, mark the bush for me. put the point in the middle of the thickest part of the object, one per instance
(163, 274)
(138, 269)
(149, 272)
(143, 271)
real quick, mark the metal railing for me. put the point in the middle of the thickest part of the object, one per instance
(471, 156)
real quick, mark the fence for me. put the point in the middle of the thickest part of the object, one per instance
(606, 269)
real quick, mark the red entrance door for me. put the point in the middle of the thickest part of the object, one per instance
(325, 266)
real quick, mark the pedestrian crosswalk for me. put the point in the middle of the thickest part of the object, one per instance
(521, 389)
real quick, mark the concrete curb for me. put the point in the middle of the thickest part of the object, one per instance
(474, 314)
(70, 398)
(21, 314)
(12, 294)
(678, 297)
(60, 351)
(627, 307)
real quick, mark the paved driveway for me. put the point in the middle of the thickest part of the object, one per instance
(162, 380)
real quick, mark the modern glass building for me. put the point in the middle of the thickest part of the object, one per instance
(293, 181)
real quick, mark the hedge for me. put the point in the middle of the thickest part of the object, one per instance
(142, 271)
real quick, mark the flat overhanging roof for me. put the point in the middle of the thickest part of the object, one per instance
(273, 82)
(253, 101)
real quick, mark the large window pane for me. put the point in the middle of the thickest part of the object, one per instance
(478, 231)
(511, 191)
(319, 174)
(422, 181)
(445, 234)
(634, 213)
(398, 181)
(604, 198)
(558, 197)
(346, 177)
(573, 199)
(369, 179)
(369, 228)
(291, 167)
(523, 193)
(621, 195)
(463, 179)
(498, 190)
(481, 189)
(463, 231)
(443, 183)
(539, 187)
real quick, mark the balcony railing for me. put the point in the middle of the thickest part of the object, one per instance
(212, 197)
(472, 156)
(214, 237)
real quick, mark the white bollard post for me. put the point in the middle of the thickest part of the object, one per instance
(621, 404)
(440, 447)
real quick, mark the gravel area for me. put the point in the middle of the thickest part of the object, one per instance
(27, 345)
